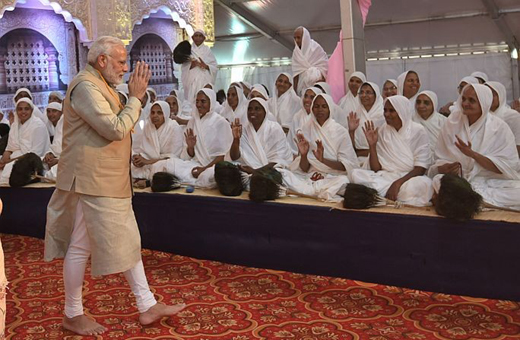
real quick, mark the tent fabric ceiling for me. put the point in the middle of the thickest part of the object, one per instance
(322, 18)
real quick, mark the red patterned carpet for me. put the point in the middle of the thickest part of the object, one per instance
(239, 303)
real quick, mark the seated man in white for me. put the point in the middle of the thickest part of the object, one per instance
(399, 155)
(481, 148)
(51, 158)
(326, 156)
(208, 138)
(28, 134)
(162, 140)
(258, 142)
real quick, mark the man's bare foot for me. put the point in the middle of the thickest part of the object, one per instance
(83, 325)
(158, 312)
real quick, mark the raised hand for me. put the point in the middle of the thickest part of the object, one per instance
(191, 139)
(138, 81)
(370, 133)
(302, 143)
(318, 153)
(236, 128)
(353, 121)
(464, 148)
(515, 105)
(203, 65)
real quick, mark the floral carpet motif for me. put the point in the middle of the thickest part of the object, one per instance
(231, 302)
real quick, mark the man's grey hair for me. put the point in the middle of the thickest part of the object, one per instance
(102, 45)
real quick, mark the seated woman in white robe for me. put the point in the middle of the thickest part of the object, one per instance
(259, 142)
(176, 112)
(52, 156)
(369, 108)
(301, 118)
(208, 138)
(162, 140)
(285, 103)
(28, 134)
(54, 113)
(399, 155)
(26, 93)
(326, 156)
(389, 88)
(447, 109)
(235, 105)
(309, 61)
(481, 148)
(409, 85)
(349, 102)
(427, 115)
(500, 109)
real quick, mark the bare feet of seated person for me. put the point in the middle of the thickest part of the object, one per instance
(83, 325)
(159, 311)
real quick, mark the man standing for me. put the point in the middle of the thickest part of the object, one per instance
(90, 213)
(200, 70)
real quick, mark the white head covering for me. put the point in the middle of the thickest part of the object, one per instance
(401, 80)
(359, 75)
(23, 100)
(402, 108)
(393, 81)
(56, 94)
(55, 106)
(165, 108)
(212, 100)
(324, 86)
(201, 31)
(22, 89)
(260, 89)
(435, 121)
(376, 111)
(504, 111)
(228, 112)
(284, 107)
(481, 75)
(469, 80)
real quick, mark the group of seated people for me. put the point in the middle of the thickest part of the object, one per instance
(395, 140)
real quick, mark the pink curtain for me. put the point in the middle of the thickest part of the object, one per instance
(336, 74)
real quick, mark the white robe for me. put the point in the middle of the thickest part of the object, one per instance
(400, 89)
(505, 112)
(398, 153)
(349, 102)
(194, 79)
(491, 137)
(310, 62)
(337, 147)
(32, 136)
(227, 111)
(284, 107)
(434, 123)
(55, 148)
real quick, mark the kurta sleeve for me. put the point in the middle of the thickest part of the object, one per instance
(90, 105)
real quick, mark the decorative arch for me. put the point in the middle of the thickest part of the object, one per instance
(154, 50)
(177, 16)
(75, 11)
(165, 29)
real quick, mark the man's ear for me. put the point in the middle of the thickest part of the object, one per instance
(102, 60)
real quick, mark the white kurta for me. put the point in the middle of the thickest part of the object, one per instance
(398, 153)
(31, 136)
(194, 79)
(310, 62)
(337, 147)
(491, 137)
(434, 123)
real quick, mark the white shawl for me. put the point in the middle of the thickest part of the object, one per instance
(214, 136)
(401, 151)
(299, 120)
(489, 136)
(260, 89)
(31, 136)
(336, 143)
(434, 123)
(56, 147)
(400, 88)
(164, 142)
(375, 114)
(51, 128)
(504, 111)
(36, 111)
(310, 62)
(284, 107)
(194, 79)
(228, 112)
(349, 102)
(267, 145)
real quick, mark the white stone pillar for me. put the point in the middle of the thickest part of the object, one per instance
(353, 38)
(52, 56)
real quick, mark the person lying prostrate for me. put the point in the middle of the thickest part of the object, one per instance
(450, 107)
(28, 134)
(26, 93)
(52, 156)
(481, 148)
(349, 102)
(427, 115)
(285, 103)
(258, 142)
(162, 139)
(370, 107)
(54, 112)
(301, 118)
(235, 105)
(389, 88)
(500, 109)
(408, 85)
(481, 77)
(326, 156)
(399, 156)
(309, 61)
